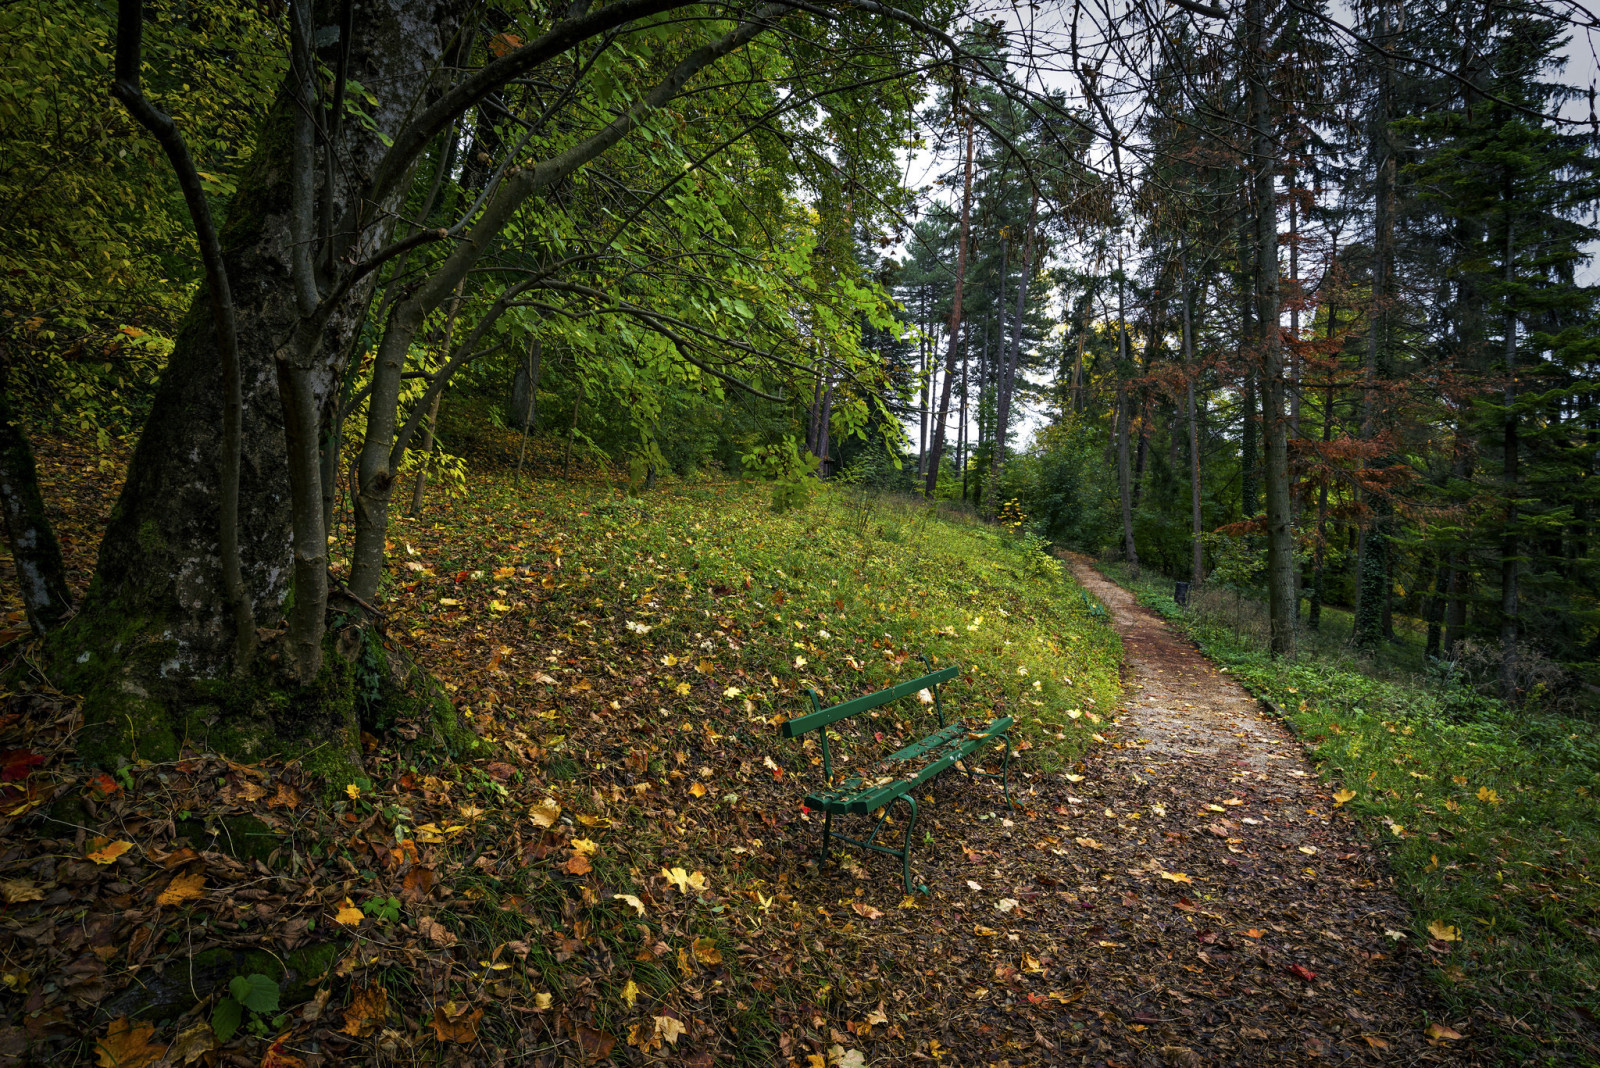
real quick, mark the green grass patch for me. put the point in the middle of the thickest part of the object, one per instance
(1488, 815)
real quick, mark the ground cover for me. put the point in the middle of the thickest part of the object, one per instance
(1487, 815)
(614, 864)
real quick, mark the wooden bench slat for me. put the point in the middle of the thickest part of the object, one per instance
(812, 720)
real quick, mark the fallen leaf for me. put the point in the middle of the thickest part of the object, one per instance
(578, 864)
(545, 813)
(367, 1010)
(109, 853)
(435, 932)
(1443, 932)
(669, 1029)
(706, 951)
(861, 908)
(630, 899)
(630, 992)
(698, 789)
(348, 914)
(1006, 904)
(596, 1045)
(1176, 877)
(1341, 796)
(1087, 843)
(127, 1045)
(1440, 1031)
(1300, 971)
(16, 891)
(183, 888)
(454, 1022)
(192, 1044)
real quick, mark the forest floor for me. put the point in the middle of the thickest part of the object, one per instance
(619, 870)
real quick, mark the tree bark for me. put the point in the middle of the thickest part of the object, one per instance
(1012, 357)
(1197, 573)
(1130, 550)
(1280, 518)
(35, 553)
(1509, 549)
(937, 454)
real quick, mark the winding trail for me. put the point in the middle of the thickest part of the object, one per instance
(1277, 951)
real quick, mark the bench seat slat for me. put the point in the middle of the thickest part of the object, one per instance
(812, 720)
(950, 744)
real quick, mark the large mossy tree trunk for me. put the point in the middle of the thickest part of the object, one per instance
(154, 635)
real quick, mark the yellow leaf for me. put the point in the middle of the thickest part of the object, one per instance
(448, 601)
(1072, 778)
(1176, 877)
(108, 854)
(1443, 932)
(630, 992)
(349, 915)
(1441, 1032)
(585, 846)
(631, 899)
(698, 789)
(1488, 796)
(545, 813)
(670, 660)
(706, 951)
(127, 1045)
(683, 689)
(183, 888)
(1341, 796)
(1087, 843)
(705, 667)
(353, 792)
(1006, 904)
(1308, 850)
(499, 606)
(541, 1001)
(984, 932)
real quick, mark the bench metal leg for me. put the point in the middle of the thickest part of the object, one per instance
(827, 833)
(905, 845)
(1005, 769)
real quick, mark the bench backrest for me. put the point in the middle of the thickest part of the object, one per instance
(822, 717)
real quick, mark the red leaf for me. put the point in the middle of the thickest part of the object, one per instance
(17, 764)
(1300, 971)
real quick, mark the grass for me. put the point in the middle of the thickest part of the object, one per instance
(1488, 814)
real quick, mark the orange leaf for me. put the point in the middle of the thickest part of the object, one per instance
(418, 883)
(183, 888)
(706, 951)
(367, 1010)
(108, 854)
(578, 865)
(455, 1023)
(128, 1045)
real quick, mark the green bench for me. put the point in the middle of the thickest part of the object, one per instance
(897, 775)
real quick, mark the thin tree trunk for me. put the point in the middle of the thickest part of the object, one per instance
(1280, 520)
(1196, 529)
(1012, 355)
(937, 455)
(1509, 606)
(1124, 419)
(35, 553)
(535, 369)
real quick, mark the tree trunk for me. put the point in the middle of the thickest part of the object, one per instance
(937, 454)
(158, 611)
(532, 369)
(1124, 420)
(35, 553)
(1197, 572)
(1509, 548)
(1011, 357)
(1280, 520)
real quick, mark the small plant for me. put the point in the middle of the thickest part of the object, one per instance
(255, 993)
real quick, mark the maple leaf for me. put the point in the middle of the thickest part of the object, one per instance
(1488, 796)
(108, 854)
(705, 667)
(367, 1010)
(706, 951)
(578, 864)
(585, 846)
(348, 914)
(353, 792)
(192, 1044)
(128, 1045)
(183, 888)
(863, 909)
(545, 812)
(669, 1029)
(454, 1022)
(698, 789)
(1341, 796)
(630, 992)
(1443, 932)
(683, 880)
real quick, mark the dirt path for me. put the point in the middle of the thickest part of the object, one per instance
(1277, 950)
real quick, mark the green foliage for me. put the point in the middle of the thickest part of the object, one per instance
(256, 992)
(791, 470)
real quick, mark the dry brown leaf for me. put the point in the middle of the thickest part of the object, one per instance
(706, 951)
(578, 864)
(1442, 1033)
(16, 891)
(435, 932)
